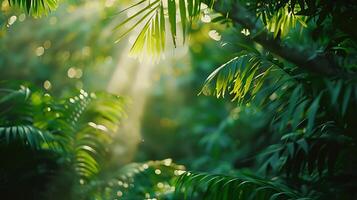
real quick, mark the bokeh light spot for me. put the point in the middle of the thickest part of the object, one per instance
(206, 18)
(12, 20)
(119, 193)
(214, 35)
(160, 185)
(22, 17)
(157, 171)
(40, 51)
(47, 44)
(47, 85)
(71, 73)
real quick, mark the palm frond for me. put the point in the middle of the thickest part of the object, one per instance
(281, 21)
(27, 135)
(242, 77)
(35, 7)
(243, 186)
(310, 142)
(152, 36)
(14, 102)
(16, 120)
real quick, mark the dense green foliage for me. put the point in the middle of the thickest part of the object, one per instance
(52, 135)
(307, 94)
(284, 127)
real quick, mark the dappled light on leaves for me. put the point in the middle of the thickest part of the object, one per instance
(214, 35)
(47, 85)
(40, 51)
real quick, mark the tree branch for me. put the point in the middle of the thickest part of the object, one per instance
(302, 58)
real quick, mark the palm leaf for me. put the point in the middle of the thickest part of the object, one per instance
(26, 134)
(242, 77)
(243, 186)
(151, 37)
(35, 7)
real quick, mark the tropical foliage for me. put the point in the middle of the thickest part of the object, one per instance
(307, 143)
(69, 133)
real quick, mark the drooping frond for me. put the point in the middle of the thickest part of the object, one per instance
(35, 7)
(308, 142)
(90, 121)
(301, 109)
(16, 121)
(26, 134)
(259, 79)
(151, 17)
(242, 186)
(242, 77)
(282, 21)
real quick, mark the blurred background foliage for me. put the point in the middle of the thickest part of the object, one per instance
(49, 63)
(60, 50)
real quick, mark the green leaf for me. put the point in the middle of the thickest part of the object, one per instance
(303, 145)
(291, 149)
(172, 18)
(346, 98)
(132, 6)
(334, 90)
(225, 187)
(148, 7)
(138, 22)
(299, 114)
(183, 14)
(162, 27)
(35, 7)
(311, 114)
(188, 11)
